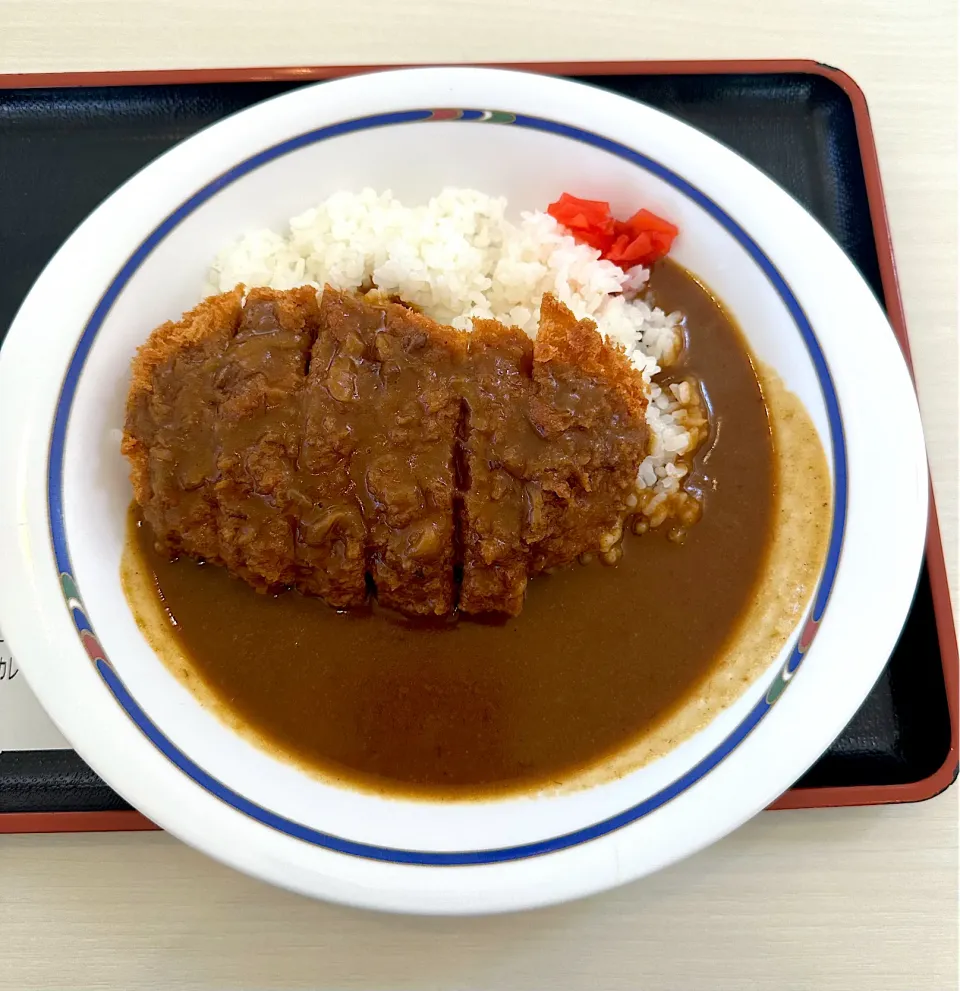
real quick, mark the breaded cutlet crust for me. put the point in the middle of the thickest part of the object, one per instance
(207, 325)
(561, 338)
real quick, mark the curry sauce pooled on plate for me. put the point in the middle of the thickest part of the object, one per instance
(455, 578)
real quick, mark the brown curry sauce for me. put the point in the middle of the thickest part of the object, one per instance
(466, 708)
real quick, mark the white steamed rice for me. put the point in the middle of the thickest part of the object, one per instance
(459, 257)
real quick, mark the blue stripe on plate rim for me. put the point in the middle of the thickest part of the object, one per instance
(422, 857)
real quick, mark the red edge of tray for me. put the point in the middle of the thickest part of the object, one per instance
(796, 798)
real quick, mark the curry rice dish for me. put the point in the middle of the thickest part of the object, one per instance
(455, 580)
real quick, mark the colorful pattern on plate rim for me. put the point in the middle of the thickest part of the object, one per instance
(420, 857)
(479, 116)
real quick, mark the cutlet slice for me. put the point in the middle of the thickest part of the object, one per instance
(497, 437)
(555, 432)
(170, 420)
(259, 428)
(589, 408)
(388, 372)
(332, 536)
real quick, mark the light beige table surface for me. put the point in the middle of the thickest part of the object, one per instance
(845, 899)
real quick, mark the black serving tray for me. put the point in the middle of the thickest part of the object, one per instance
(64, 147)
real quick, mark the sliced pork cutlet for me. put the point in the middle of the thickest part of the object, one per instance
(589, 408)
(392, 372)
(496, 440)
(332, 534)
(259, 429)
(329, 446)
(170, 425)
(554, 434)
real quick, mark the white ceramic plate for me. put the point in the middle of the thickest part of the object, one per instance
(141, 258)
